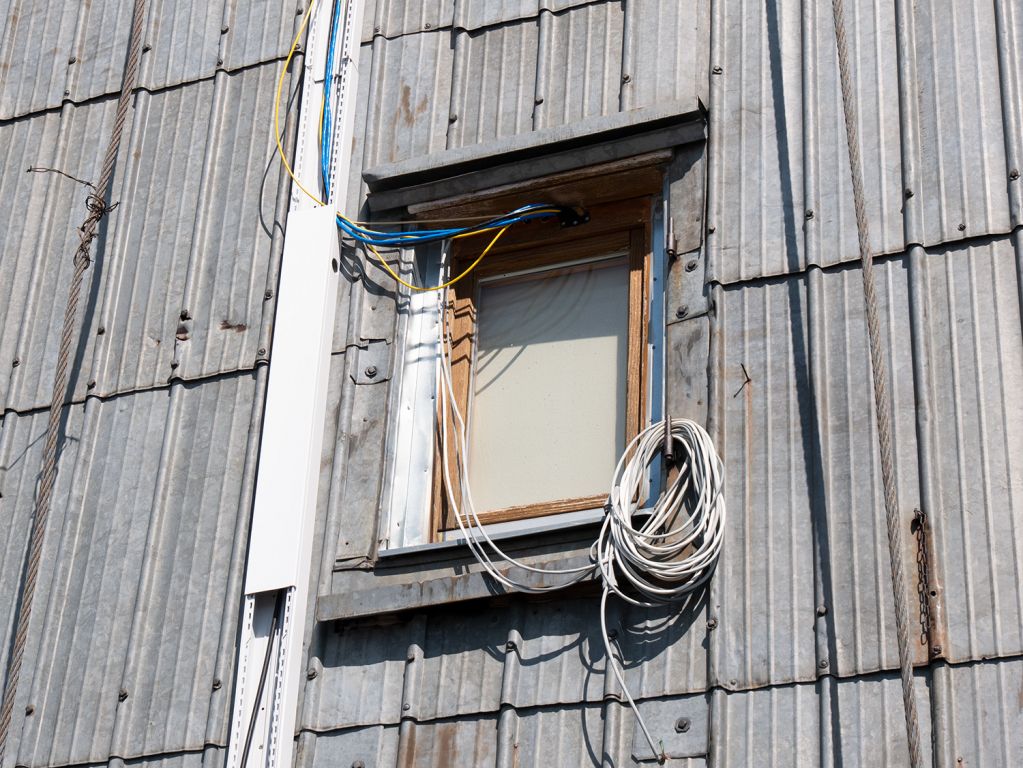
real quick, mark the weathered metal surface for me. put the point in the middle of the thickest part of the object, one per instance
(150, 535)
(182, 279)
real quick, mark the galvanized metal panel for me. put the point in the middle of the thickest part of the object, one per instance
(668, 45)
(35, 43)
(804, 496)
(261, 30)
(394, 18)
(149, 540)
(409, 96)
(472, 15)
(975, 351)
(184, 42)
(497, 83)
(101, 43)
(41, 259)
(584, 63)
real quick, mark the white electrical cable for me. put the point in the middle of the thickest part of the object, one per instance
(646, 556)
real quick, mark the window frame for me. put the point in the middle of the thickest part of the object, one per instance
(622, 226)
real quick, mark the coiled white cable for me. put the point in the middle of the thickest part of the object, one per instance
(645, 556)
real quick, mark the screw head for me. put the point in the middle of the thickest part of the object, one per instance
(224, 29)
(823, 664)
(682, 725)
(261, 351)
(29, 710)
(146, 48)
(908, 193)
(1014, 174)
(122, 695)
(808, 214)
(358, 764)
(16, 362)
(91, 384)
(691, 265)
(626, 78)
(217, 685)
(682, 311)
(717, 70)
(538, 100)
(268, 294)
(962, 227)
(371, 371)
(310, 674)
(712, 624)
(406, 707)
(427, 25)
(936, 650)
(452, 118)
(822, 610)
(72, 59)
(101, 330)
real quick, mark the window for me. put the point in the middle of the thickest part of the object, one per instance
(548, 365)
(553, 363)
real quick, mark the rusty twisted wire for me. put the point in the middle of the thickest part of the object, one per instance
(882, 399)
(98, 208)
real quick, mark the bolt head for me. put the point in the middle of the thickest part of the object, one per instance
(146, 48)
(936, 650)
(823, 664)
(224, 29)
(1014, 174)
(962, 227)
(406, 707)
(691, 265)
(712, 624)
(100, 331)
(682, 311)
(16, 362)
(122, 695)
(310, 674)
(717, 70)
(371, 371)
(268, 294)
(808, 214)
(682, 725)
(91, 384)
(908, 193)
(217, 685)
(626, 78)
(822, 610)
(29, 710)
(72, 59)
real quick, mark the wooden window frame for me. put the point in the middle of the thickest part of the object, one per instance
(623, 225)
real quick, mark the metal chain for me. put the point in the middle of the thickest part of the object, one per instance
(98, 208)
(882, 400)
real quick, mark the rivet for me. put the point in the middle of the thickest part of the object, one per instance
(712, 624)
(1014, 174)
(823, 664)
(217, 684)
(691, 265)
(268, 294)
(67, 92)
(220, 61)
(406, 707)
(427, 25)
(261, 351)
(122, 695)
(682, 311)
(29, 709)
(371, 371)
(682, 725)
(626, 78)
(717, 70)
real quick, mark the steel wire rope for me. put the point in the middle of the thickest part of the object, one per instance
(98, 208)
(645, 562)
(882, 399)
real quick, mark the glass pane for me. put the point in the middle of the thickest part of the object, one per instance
(549, 391)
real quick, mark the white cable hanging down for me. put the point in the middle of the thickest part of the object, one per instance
(646, 556)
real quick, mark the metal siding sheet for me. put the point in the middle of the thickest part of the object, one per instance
(471, 15)
(409, 96)
(101, 44)
(114, 577)
(498, 85)
(669, 51)
(963, 174)
(394, 18)
(184, 40)
(261, 30)
(976, 355)
(36, 40)
(49, 240)
(584, 63)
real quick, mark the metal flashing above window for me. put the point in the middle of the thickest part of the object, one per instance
(466, 170)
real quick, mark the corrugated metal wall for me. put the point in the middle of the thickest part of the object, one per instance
(790, 659)
(131, 650)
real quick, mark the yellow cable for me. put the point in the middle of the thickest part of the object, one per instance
(452, 281)
(277, 105)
